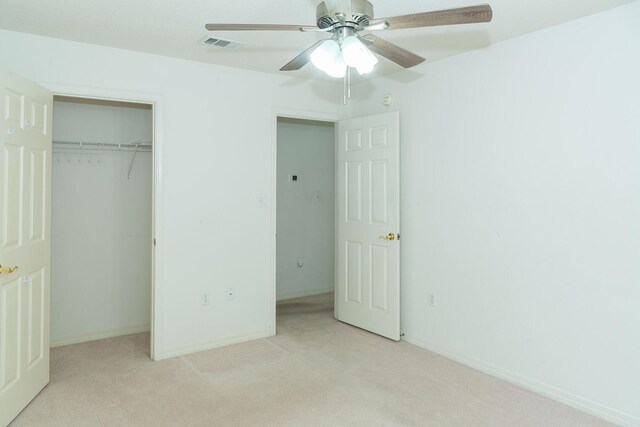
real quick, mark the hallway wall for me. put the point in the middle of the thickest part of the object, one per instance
(305, 208)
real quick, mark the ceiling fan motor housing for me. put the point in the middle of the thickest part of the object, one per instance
(361, 13)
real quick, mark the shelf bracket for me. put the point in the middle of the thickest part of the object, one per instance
(133, 159)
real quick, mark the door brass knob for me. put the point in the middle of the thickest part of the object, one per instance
(7, 270)
(389, 236)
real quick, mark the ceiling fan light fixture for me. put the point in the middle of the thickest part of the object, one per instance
(367, 63)
(355, 53)
(334, 57)
(328, 58)
(325, 55)
(365, 68)
(338, 67)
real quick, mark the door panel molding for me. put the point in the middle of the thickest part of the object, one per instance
(375, 193)
(25, 184)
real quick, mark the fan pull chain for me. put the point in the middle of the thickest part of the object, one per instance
(347, 86)
(344, 92)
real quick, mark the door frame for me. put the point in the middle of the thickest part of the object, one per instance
(157, 220)
(288, 114)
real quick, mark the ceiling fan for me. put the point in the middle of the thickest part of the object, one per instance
(345, 19)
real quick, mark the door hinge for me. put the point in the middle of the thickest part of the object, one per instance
(154, 242)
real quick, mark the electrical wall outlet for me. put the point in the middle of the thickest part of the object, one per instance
(205, 299)
(432, 300)
(230, 294)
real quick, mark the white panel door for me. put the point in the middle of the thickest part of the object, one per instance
(25, 241)
(368, 224)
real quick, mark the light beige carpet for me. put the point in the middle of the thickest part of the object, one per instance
(315, 372)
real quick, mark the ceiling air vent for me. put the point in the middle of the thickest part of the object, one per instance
(225, 44)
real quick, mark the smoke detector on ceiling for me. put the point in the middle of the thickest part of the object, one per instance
(222, 43)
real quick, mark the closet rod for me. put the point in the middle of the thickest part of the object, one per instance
(139, 145)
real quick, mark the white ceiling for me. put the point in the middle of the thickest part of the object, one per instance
(174, 28)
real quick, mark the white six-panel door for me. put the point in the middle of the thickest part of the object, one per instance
(25, 241)
(368, 224)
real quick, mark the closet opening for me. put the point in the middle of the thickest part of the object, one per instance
(102, 221)
(305, 218)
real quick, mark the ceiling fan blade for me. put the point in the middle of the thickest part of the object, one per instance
(462, 15)
(392, 52)
(302, 59)
(259, 27)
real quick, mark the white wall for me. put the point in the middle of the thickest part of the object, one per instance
(217, 126)
(521, 209)
(101, 224)
(304, 220)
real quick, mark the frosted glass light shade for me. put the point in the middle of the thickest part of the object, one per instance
(334, 58)
(325, 54)
(368, 63)
(354, 51)
(338, 68)
(357, 55)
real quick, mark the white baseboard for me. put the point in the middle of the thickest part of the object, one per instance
(306, 293)
(98, 335)
(570, 399)
(215, 344)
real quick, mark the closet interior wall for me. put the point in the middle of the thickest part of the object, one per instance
(101, 221)
(305, 208)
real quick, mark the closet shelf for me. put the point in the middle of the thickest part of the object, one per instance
(142, 145)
